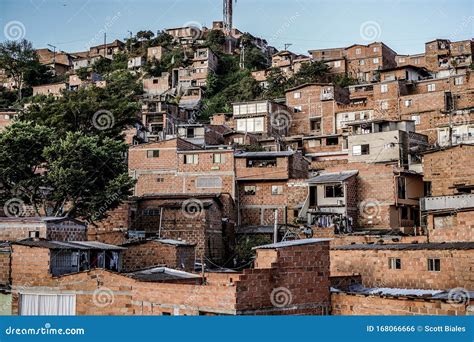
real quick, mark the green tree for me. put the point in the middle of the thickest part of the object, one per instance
(163, 39)
(83, 73)
(145, 35)
(311, 72)
(277, 84)
(86, 175)
(20, 62)
(102, 66)
(92, 111)
(215, 40)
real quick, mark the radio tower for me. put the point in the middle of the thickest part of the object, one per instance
(228, 16)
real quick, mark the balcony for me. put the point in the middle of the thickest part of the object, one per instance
(447, 202)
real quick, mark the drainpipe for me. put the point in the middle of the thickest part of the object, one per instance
(275, 227)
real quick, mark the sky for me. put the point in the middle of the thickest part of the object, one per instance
(404, 25)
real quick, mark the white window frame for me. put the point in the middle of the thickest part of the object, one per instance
(375, 60)
(384, 88)
(431, 87)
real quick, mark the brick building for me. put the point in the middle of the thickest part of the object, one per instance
(448, 208)
(288, 278)
(434, 266)
(54, 228)
(147, 253)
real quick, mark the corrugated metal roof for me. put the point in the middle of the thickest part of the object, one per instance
(408, 246)
(161, 274)
(333, 177)
(70, 245)
(292, 243)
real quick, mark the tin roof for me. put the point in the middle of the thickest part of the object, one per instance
(409, 246)
(69, 245)
(333, 177)
(161, 274)
(284, 244)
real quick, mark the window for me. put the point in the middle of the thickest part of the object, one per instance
(297, 108)
(160, 180)
(401, 188)
(458, 81)
(250, 125)
(333, 191)
(34, 234)
(332, 141)
(408, 103)
(191, 158)
(434, 264)
(190, 133)
(218, 158)
(208, 182)
(250, 190)
(376, 49)
(358, 150)
(155, 81)
(384, 88)
(337, 64)
(297, 95)
(239, 141)
(262, 162)
(401, 60)
(416, 118)
(277, 189)
(361, 62)
(432, 87)
(375, 61)
(315, 124)
(152, 153)
(384, 104)
(394, 263)
(358, 51)
(47, 305)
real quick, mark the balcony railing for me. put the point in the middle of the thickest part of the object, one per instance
(447, 202)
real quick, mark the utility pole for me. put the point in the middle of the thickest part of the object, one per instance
(275, 227)
(287, 45)
(54, 58)
(130, 40)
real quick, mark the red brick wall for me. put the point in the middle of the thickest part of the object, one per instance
(372, 265)
(459, 227)
(153, 253)
(5, 258)
(446, 168)
(347, 304)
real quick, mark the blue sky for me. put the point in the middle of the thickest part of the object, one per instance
(405, 25)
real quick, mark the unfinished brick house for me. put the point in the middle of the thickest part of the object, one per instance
(202, 134)
(365, 61)
(54, 89)
(195, 218)
(262, 117)
(288, 278)
(433, 266)
(448, 208)
(270, 182)
(146, 253)
(54, 228)
(442, 55)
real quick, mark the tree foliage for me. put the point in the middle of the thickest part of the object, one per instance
(70, 175)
